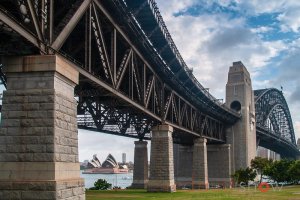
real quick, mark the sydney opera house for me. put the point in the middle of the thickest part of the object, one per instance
(109, 166)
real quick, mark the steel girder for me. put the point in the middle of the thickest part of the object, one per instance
(276, 143)
(116, 59)
(143, 17)
(273, 115)
(96, 114)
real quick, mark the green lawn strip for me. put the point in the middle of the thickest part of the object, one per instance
(287, 193)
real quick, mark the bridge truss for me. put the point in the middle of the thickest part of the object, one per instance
(128, 83)
(274, 123)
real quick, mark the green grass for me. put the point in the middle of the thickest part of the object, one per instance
(288, 193)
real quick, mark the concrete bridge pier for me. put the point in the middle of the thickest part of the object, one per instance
(140, 172)
(161, 160)
(219, 165)
(200, 171)
(38, 135)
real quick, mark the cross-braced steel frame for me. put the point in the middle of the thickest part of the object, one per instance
(127, 83)
(273, 121)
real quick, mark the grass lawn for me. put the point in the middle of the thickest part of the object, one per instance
(287, 192)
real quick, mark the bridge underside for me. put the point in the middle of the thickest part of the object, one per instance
(276, 144)
(101, 110)
(126, 84)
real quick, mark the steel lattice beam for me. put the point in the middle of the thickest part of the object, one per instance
(274, 120)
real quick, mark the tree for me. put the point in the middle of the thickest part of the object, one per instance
(279, 170)
(260, 165)
(294, 171)
(101, 184)
(244, 175)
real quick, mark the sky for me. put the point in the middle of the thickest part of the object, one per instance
(210, 35)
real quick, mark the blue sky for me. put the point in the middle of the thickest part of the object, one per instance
(210, 35)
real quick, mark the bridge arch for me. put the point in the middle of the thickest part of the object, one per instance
(273, 116)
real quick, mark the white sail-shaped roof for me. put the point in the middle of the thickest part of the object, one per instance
(110, 162)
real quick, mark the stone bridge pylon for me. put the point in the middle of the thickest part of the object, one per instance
(242, 135)
(39, 139)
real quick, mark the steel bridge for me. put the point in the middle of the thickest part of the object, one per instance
(274, 126)
(132, 76)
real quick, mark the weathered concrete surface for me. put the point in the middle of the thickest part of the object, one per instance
(219, 165)
(200, 171)
(161, 160)
(241, 136)
(38, 135)
(140, 172)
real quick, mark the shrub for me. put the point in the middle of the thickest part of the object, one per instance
(101, 184)
(244, 175)
(279, 170)
(294, 171)
(260, 165)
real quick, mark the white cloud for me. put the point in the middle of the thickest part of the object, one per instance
(290, 19)
(256, 7)
(260, 84)
(167, 8)
(288, 11)
(209, 43)
(262, 29)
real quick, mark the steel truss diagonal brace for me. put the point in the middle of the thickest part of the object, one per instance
(101, 46)
(20, 30)
(63, 35)
(123, 67)
(35, 20)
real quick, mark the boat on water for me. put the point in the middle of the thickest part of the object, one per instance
(109, 166)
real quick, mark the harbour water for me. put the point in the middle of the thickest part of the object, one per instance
(120, 180)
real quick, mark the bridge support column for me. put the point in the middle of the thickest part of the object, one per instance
(161, 160)
(183, 162)
(38, 135)
(219, 165)
(199, 173)
(140, 172)
(242, 135)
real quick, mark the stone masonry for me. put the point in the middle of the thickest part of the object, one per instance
(183, 163)
(242, 135)
(140, 172)
(199, 173)
(219, 165)
(161, 160)
(38, 135)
